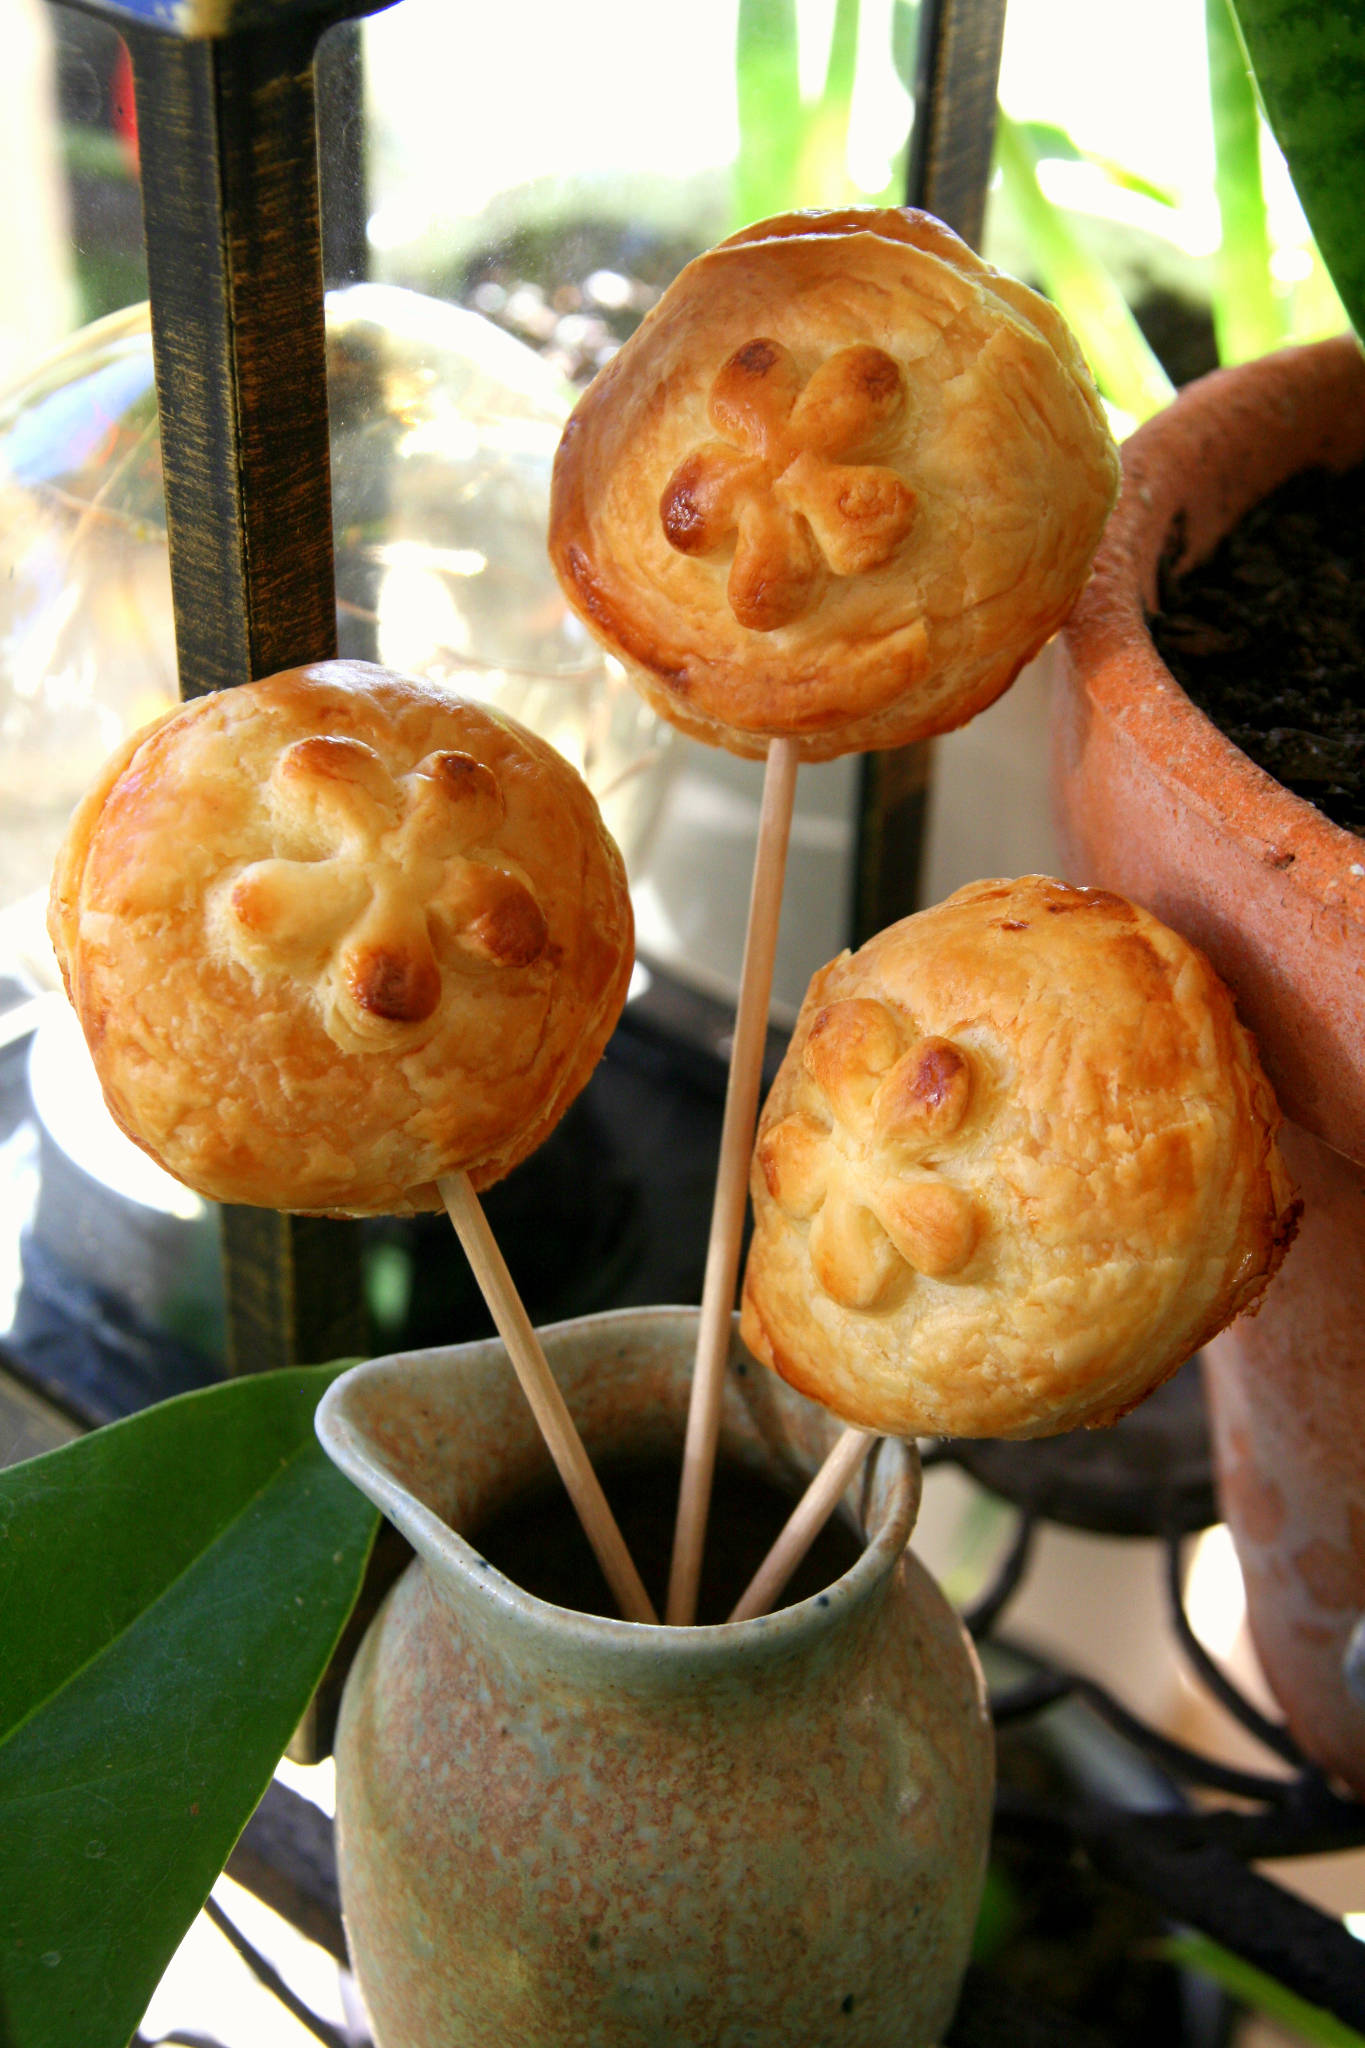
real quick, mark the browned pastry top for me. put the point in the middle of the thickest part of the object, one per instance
(840, 485)
(1017, 1165)
(336, 932)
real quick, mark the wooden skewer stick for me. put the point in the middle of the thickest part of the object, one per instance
(542, 1391)
(732, 1180)
(805, 1522)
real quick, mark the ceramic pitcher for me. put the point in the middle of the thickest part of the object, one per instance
(556, 1829)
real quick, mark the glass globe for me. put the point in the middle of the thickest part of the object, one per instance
(443, 434)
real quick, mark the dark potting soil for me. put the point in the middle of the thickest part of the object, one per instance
(1267, 636)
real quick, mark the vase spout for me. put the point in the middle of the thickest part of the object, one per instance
(444, 1441)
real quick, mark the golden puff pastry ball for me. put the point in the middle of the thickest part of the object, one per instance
(840, 485)
(1018, 1164)
(336, 932)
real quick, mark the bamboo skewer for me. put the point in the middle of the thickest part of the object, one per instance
(542, 1391)
(732, 1180)
(805, 1522)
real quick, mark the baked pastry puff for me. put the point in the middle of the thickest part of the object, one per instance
(336, 932)
(840, 485)
(1018, 1164)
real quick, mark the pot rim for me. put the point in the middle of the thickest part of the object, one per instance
(779, 1631)
(1212, 436)
(1153, 801)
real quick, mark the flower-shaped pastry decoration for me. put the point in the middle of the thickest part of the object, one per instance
(791, 482)
(376, 876)
(866, 1180)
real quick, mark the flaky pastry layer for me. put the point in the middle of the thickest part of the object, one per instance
(1018, 1164)
(840, 485)
(337, 932)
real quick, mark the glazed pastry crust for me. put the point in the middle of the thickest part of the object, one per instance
(842, 483)
(334, 933)
(1018, 1164)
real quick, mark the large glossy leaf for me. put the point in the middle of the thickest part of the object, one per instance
(1309, 64)
(170, 1591)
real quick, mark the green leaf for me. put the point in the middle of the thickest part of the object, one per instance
(842, 68)
(768, 99)
(171, 1589)
(822, 176)
(1310, 2023)
(1049, 142)
(1247, 317)
(1125, 180)
(904, 25)
(1124, 366)
(1309, 65)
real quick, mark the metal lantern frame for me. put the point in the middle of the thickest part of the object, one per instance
(227, 102)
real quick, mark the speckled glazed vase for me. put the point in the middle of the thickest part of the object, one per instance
(1153, 801)
(557, 1830)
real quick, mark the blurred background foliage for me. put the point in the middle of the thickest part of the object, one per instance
(512, 160)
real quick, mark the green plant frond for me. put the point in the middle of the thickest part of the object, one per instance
(1124, 366)
(1248, 318)
(836, 95)
(1261, 1993)
(768, 104)
(792, 152)
(1125, 180)
(1049, 142)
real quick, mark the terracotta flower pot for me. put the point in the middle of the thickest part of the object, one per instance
(1154, 802)
(557, 1830)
